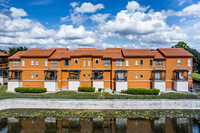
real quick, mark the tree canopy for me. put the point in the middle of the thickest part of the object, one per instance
(14, 50)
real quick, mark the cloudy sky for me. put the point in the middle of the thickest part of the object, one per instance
(99, 23)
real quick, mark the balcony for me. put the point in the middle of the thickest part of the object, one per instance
(181, 75)
(50, 75)
(97, 74)
(158, 75)
(74, 75)
(15, 74)
(121, 75)
(121, 78)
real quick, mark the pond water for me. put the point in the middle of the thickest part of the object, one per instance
(84, 121)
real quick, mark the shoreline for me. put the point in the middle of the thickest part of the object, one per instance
(99, 104)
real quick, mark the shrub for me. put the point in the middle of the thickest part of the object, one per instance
(30, 90)
(86, 89)
(124, 91)
(6, 83)
(143, 91)
(99, 89)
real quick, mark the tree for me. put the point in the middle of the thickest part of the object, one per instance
(14, 50)
(196, 61)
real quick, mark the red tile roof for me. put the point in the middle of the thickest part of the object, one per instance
(137, 53)
(3, 54)
(158, 55)
(113, 53)
(87, 52)
(36, 52)
(174, 52)
(16, 56)
(59, 55)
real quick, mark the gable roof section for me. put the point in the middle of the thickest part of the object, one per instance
(113, 53)
(3, 54)
(137, 53)
(87, 52)
(158, 55)
(37, 52)
(16, 56)
(59, 55)
(174, 52)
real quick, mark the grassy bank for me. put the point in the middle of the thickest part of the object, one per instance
(91, 95)
(196, 77)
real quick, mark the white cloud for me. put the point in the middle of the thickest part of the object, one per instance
(99, 18)
(183, 19)
(88, 7)
(134, 6)
(16, 13)
(74, 4)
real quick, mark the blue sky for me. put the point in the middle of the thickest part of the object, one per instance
(99, 23)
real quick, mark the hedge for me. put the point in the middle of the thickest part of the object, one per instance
(86, 89)
(99, 89)
(30, 90)
(143, 91)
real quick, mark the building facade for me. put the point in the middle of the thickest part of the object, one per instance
(3, 68)
(112, 68)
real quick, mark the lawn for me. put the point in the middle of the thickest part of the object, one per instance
(196, 77)
(92, 95)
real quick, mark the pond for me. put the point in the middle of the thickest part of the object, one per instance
(100, 121)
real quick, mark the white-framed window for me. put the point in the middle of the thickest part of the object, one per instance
(189, 62)
(106, 62)
(23, 62)
(53, 63)
(36, 62)
(141, 76)
(76, 61)
(31, 75)
(83, 75)
(15, 63)
(120, 75)
(159, 63)
(189, 74)
(136, 76)
(118, 63)
(179, 62)
(157, 75)
(97, 61)
(32, 62)
(136, 62)
(88, 62)
(127, 62)
(88, 75)
(66, 62)
(46, 62)
(83, 62)
(36, 75)
(141, 62)
(151, 62)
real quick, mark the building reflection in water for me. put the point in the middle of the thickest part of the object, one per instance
(96, 125)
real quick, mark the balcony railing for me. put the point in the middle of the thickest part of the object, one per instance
(159, 78)
(121, 79)
(51, 78)
(98, 78)
(14, 78)
(74, 78)
(182, 78)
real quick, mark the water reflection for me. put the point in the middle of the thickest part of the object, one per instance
(96, 125)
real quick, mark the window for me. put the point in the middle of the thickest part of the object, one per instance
(23, 62)
(179, 62)
(83, 62)
(127, 62)
(15, 63)
(189, 74)
(36, 75)
(189, 62)
(141, 62)
(6, 60)
(119, 63)
(106, 62)
(36, 62)
(141, 76)
(53, 63)
(83, 75)
(0, 61)
(31, 75)
(66, 62)
(88, 62)
(136, 62)
(88, 75)
(159, 63)
(97, 61)
(32, 62)
(46, 63)
(151, 62)
(120, 75)
(136, 76)
(76, 61)
(157, 75)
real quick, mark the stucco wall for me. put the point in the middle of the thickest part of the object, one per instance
(13, 84)
(159, 85)
(73, 85)
(98, 84)
(121, 85)
(51, 86)
(181, 85)
(121, 104)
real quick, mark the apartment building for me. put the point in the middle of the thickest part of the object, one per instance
(3, 68)
(112, 68)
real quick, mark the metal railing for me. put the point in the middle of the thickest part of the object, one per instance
(14, 78)
(98, 78)
(121, 79)
(50, 78)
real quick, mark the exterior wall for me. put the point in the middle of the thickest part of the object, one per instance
(1, 80)
(121, 85)
(13, 84)
(73, 85)
(161, 85)
(98, 84)
(50, 85)
(3, 62)
(181, 85)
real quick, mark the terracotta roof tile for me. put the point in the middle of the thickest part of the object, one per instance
(137, 53)
(158, 55)
(174, 52)
(16, 56)
(113, 54)
(36, 52)
(2, 54)
(59, 55)
(84, 52)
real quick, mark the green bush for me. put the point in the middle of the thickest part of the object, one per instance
(30, 90)
(86, 89)
(6, 83)
(143, 91)
(99, 89)
(124, 91)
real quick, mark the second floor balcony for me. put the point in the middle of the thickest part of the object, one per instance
(181, 75)
(74, 75)
(97, 74)
(15, 74)
(158, 75)
(50, 74)
(121, 75)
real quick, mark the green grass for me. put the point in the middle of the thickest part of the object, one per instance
(196, 77)
(92, 95)
(197, 91)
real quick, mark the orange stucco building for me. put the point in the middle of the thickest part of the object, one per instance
(3, 67)
(112, 68)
